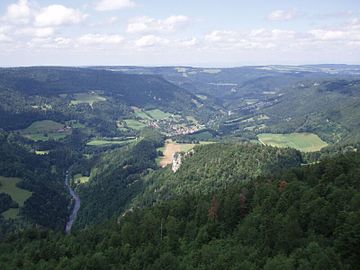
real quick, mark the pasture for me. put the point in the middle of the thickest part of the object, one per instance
(305, 142)
(158, 114)
(80, 179)
(43, 127)
(134, 124)
(42, 152)
(19, 195)
(104, 142)
(45, 130)
(89, 98)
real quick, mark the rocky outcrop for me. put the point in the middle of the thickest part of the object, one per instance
(177, 159)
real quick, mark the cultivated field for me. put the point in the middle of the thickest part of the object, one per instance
(8, 185)
(173, 147)
(306, 142)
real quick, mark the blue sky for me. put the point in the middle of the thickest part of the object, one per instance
(187, 32)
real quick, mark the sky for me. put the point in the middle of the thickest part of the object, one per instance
(208, 33)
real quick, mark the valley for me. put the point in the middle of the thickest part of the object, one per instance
(148, 145)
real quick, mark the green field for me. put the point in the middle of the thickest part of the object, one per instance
(45, 130)
(100, 142)
(306, 142)
(46, 137)
(89, 98)
(158, 114)
(80, 179)
(43, 127)
(143, 115)
(42, 152)
(8, 185)
(134, 124)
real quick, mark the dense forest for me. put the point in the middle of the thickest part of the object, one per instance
(117, 179)
(209, 168)
(304, 218)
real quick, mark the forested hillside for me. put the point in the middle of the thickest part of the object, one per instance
(114, 181)
(306, 218)
(40, 174)
(210, 168)
(133, 90)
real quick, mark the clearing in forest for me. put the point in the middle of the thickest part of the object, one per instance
(305, 142)
(45, 130)
(19, 195)
(172, 147)
(89, 98)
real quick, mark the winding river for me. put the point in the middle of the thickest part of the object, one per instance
(76, 208)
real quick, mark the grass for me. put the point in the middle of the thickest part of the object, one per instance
(203, 97)
(80, 179)
(306, 142)
(89, 98)
(8, 185)
(75, 124)
(41, 153)
(46, 137)
(45, 130)
(158, 114)
(100, 142)
(134, 124)
(143, 115)
(43, 127)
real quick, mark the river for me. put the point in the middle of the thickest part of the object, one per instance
(76, 208)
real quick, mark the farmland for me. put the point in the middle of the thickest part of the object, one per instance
(306, 142)
(8, 185)
(172, 147)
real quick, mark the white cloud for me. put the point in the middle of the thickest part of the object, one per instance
(188, 42)
(41, 32)
(100, 39)
(108, 5)
(329, 35)
(281, 15)
(18, 13)
(147, 24)
(4, 38)
(218, 36)
(56, 15)
(150, 41)
(63, 42)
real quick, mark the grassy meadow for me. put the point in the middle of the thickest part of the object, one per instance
(45, 130)
(89, 98)
(103, 142)
(305, 142)
(8, 185)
